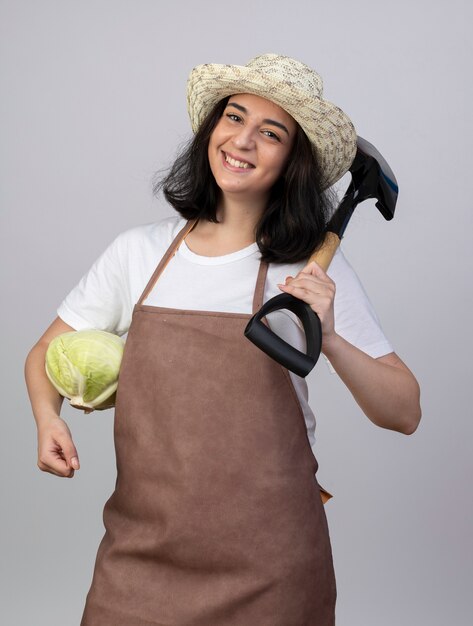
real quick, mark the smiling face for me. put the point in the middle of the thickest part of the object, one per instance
(249, 147)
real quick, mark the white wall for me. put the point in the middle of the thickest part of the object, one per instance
(93, 102)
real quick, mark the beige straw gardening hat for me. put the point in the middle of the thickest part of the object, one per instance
(293, 86)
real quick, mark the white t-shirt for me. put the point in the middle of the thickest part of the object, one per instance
(105, 295)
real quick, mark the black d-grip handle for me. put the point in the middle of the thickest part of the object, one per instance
(275, 347)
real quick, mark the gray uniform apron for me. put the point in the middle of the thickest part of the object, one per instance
(216, 518)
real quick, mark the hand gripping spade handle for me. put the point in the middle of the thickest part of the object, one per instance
(371, 178)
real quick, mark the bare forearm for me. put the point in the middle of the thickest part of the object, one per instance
(385, 389)
(45, 400)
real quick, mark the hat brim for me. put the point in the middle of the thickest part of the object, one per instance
(328, 128)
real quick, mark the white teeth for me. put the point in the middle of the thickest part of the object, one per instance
(236, 163)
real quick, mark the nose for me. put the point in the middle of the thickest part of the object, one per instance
(244, 138)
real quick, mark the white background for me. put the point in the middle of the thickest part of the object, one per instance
(92, 103)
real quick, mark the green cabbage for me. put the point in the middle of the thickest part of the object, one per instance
(84, 365)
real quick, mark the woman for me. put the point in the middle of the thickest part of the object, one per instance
(216, 517)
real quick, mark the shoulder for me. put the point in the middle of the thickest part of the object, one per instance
(340, 268)
(146, 239)
(355, 317)
(158, 233)
(348, 284)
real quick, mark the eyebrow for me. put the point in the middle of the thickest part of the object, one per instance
(265, 121)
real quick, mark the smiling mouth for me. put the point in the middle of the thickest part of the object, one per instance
(243, 165)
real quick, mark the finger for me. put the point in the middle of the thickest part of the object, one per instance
(318, 298)
(317, 274)
(300, 292)
(54, 459)
(69, 451)
(314, 285)
(315, 269)
(53, 468)
(290, 279)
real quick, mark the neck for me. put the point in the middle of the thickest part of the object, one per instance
(238, 216)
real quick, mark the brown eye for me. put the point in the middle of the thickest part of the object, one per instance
(269, 133)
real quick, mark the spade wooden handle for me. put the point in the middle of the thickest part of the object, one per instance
(324, 255)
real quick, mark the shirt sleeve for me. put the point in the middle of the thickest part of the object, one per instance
(101, 299)
(355, 318)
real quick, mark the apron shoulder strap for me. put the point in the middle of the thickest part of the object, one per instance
(170, 252)
(259, 289)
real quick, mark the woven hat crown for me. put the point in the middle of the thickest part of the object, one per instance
(283, 69)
